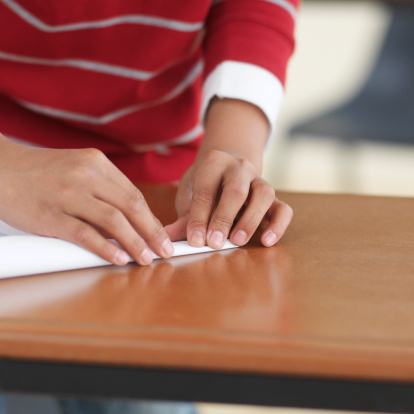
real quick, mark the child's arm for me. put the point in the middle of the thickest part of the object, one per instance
(225, 180)
(76, 195)
(246, 49)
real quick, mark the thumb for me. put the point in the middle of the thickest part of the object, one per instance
(178, 230)
(184, 194)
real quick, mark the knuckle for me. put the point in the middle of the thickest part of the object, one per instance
(113, 218)
(252, 223)
(203, 198)
(84, 167)
(137, 202)
(82, 172)
(268, 192)
(158, 231)
(93, 155)
(222, 221)
(245, 164)
(195, 223)
(239, 189)
(212, 155)
(82, 235)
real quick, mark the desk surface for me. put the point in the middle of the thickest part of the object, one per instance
(334, 299)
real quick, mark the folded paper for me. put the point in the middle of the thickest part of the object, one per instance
(22, 255)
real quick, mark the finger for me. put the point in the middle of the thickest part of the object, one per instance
(114, 223)
(184, 194)
(206, 185)
(177, 230)
(95, 161)
(261, 199)
(113, 187)
(280, 215)
(78, 232)
(133, 206)
(236, 187)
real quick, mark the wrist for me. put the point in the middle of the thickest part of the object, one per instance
(236, 127)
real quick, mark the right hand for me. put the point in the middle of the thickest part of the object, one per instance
(78, 195)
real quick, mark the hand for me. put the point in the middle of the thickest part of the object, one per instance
(78, 195)
(222, 195)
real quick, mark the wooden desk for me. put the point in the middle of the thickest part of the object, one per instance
(324, 319)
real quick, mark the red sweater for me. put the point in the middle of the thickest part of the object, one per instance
(126, 77)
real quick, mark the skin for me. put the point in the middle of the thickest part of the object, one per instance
(80, 196)
(225, 178)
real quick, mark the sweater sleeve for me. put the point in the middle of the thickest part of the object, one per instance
(247, 46)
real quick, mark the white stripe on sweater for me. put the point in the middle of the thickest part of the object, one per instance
(162, 147)
(98, 24)
(81, 64)
(113, 116)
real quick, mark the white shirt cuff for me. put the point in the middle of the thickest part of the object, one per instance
(247, 82)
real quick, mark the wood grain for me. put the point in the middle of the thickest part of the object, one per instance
(334, 299)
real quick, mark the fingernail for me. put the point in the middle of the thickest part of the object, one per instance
(216, 239)
(197, 239)
(240, 237)
(146, 257)
(121, 258)
(167, 248)
(270, 238)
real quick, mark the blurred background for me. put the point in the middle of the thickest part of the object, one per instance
(335, 67)
(339, 45)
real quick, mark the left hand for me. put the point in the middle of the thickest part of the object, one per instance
(223, 196)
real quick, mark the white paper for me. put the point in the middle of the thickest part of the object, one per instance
(7, 230)
(22, 255)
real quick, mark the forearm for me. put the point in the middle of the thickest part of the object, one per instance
(236, 127)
